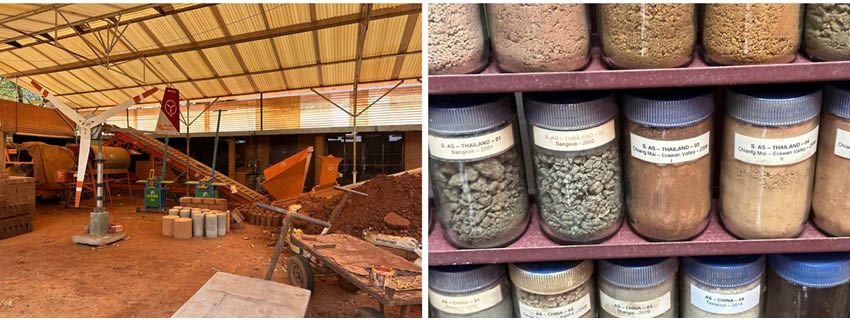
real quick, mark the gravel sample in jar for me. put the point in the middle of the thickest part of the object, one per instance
(751, 33)
(830, 201)
(813, 285)
(539, 37)
(470, 291)
(457, 42)
(827, 33)
(476, 169)
(638, 288)
(554, 289)
(668, 162)
(768, 161)
(723, 287)
(576, 164)
(647, 35)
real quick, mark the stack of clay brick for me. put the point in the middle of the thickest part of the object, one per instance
(204, 203)
(187, 222)
(17, 205)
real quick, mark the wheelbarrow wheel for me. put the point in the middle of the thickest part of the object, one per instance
(366, 312)
(300, 272)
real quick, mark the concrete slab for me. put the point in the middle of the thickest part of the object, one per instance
(228, 295)
(98, 240)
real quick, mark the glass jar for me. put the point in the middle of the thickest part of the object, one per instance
(647, 35)
(813, 285)
(476, 169)
(638, 288)
(469, 291)
(576, 158)
(767, 166)
(539, 37)
(723, 287)
(554, 289)
(457, 42)
(827, 34)
(668, 166)
(751, 33)
(830, 202)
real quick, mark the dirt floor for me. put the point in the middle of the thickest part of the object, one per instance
(44, 274)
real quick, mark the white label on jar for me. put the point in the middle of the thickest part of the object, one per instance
(574, 309)
(724, 303)
(842, 143)
(776, 152)
(466, 304)
(577, 140)
(670, 151)
(469, 148)
(629, 309)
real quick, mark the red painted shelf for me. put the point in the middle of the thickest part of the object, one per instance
(598, 77)
(715, 240)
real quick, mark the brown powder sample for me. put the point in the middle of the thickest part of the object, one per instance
(456, 40)
(831, 202)
(669, 202)
(548, 37)
(764, 202)
(751, 33)
(828, 31)
(640, 35)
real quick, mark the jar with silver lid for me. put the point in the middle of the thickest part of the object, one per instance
(469, 291)
(554, 289)
(576, 155)
(476, 169)
(723, 286)
(638, 288)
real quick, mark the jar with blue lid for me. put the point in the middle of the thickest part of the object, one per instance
(577, 170)
(723, 286)
(638, 288)
(470, 291)
(813, 285)
(476, 168)
(830, 202)
(553, 289)
(768, 163)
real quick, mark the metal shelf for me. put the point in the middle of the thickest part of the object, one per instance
(715, 240)
(598, 77)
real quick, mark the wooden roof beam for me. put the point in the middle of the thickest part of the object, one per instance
(31, 13)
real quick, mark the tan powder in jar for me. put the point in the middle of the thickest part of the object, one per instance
(548, 37)
(754, 33)
(640, 35)
(831, 202)
(764, 202)
(669, 202)
(456, 40)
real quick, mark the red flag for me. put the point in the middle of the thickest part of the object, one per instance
(169, 113)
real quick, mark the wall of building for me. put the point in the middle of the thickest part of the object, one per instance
(412, 150)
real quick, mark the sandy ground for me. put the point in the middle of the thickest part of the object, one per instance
(44, 274)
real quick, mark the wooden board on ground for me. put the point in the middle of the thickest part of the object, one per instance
(231, 296)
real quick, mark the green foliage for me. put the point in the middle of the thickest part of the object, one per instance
(7, 92)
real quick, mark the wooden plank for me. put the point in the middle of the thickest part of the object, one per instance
(232, 296)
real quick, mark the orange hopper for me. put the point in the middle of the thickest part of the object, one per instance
(285, 179)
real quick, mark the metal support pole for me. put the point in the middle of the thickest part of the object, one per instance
(188, 155)
(164, 157)
(99, 159)
(261, 111)
(215, 146)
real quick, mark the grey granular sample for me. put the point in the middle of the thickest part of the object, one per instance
(581, 197)
(828, 31)
(553, 301)
(482, 203)
(456, 40)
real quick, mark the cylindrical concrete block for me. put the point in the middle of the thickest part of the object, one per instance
(222, 223)
(211, 225)
(197, 224)
(177, 207)
(168, 225)
(173, 212)
(183, 228)
(185, 213)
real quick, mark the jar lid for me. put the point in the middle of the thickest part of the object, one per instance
(817, 270)
(774, 106)
(661, 108)
(548, 278)
(836, 99)
(469, 114)
(637, 273)
(724, 271)
(464, 278)
(569, 110)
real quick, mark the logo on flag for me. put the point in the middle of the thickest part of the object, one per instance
(169, 113)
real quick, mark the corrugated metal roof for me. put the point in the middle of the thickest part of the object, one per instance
(205, 50)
